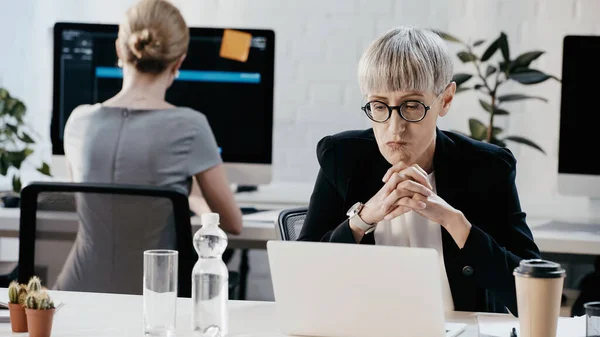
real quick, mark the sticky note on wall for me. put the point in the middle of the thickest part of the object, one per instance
(235, 45)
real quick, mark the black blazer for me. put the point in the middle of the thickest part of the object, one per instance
(474, 177)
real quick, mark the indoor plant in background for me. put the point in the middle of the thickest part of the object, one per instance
(489, 76)
(15, 144)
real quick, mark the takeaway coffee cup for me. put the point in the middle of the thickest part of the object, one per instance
(539, 290)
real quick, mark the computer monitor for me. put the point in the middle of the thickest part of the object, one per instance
(235, 96)
(578, 169)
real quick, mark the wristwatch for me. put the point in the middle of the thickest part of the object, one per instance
(353, 214)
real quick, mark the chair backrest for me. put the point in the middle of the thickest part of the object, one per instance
(289, 223)
(66, 207)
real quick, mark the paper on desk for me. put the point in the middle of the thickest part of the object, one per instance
(266, 216)
(499, 326)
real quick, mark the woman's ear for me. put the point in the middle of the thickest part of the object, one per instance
(118, 48)
(178, 63)
(447, 98)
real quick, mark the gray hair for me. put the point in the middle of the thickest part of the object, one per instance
(407, 59)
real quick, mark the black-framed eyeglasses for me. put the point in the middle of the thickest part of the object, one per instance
(411, 111)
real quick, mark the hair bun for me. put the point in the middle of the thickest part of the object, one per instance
(144, 44)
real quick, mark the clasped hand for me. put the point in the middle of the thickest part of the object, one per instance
(406, 188)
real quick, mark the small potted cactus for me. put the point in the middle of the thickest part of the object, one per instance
(16, 300)
(34, 285)
(40, 313)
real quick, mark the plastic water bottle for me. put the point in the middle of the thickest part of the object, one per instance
(210, 279)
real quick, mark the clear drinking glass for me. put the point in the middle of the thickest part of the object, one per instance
(160, 292)
(592, 318)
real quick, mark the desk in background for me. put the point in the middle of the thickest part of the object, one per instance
(260, 228)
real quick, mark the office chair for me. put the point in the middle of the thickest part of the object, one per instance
(170, 205)
(289, 223)
(34, 236)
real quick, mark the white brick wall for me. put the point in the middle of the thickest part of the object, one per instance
(318, 45)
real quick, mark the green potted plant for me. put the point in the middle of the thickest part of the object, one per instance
(15, 144)
(17, 295)
(489, 76)
(16, 301)
(39, 309)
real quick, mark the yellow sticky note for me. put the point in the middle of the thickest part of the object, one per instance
(235, 45)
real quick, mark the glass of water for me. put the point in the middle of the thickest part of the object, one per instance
(160, 292)
(592, 314)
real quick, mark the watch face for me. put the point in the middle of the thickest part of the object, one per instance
(354, 209)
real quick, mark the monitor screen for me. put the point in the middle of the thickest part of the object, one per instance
(579, 117)
(235, 96)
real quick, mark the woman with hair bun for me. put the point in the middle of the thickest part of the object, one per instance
(137, 137)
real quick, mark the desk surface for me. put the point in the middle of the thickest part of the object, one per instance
(95, 315)
(254, 235)
(278, 195)
(258, 230)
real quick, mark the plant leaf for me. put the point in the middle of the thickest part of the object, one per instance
(461, 78)
(3, 165)
(486, 106)
(518, 97)
(496, 131)
(461, 89)
(17, 110)
(26, 139)
(4, 94)
(529, 76)
(465, 56)
(503, 44)
(525, 141)
(447, 36)
(12, 128)
(16, 184)
(523, 60)
(478, 86)
(45, 169)
(478, 43)
(16, 158)
(489, 52)
(478, 129)
(490, 70)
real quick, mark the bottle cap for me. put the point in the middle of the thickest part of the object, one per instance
(209, 219)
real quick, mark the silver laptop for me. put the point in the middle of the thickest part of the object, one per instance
(345, 290)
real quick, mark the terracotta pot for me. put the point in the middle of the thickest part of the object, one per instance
(18, 319)
(39, 322)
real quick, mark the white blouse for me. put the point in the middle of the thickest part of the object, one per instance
(412, 230)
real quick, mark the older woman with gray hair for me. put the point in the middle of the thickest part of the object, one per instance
(404, 182)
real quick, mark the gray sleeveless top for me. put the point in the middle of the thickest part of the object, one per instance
(125, 146)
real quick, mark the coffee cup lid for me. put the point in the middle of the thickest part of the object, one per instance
(539, 268)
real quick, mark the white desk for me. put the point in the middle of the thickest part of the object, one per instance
(278, 195)
(565, 242)
(95, 315)
(63, 226)
(255, 234)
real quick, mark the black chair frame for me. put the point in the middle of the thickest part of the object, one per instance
(181, 212)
